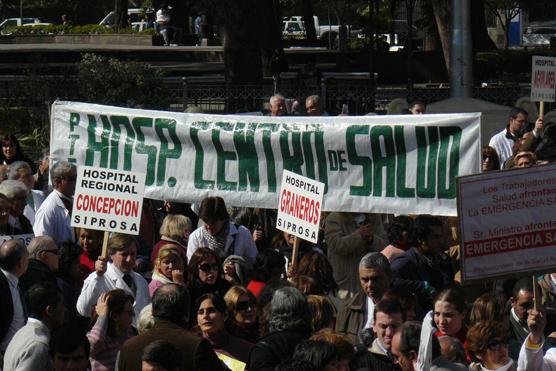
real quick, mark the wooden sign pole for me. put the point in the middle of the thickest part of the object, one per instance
(105, 245)
(541, 109)
(295, 252)
(535, 293)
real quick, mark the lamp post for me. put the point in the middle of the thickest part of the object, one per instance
(21, 11)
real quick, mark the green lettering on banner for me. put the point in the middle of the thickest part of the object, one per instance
(244, 141)
(267, 130)
(118, 121)
(200, 183)
(74, 120)
(426, 163)
(149, 150)
(321, 158)
(222, 156)
(386, 160)
(450, 169)
(160, 125)
(94, 146)
(292, 160)
(356, 160)
(401, 189)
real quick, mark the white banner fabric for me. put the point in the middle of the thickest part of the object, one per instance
(387, 164)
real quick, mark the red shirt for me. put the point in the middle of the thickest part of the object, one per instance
(256, 287)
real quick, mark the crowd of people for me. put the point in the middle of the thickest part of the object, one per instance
(213, 287)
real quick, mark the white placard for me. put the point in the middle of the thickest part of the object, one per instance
(543, 75)
(108, 200)
(24, 238)
(300, 206)
(508, 222)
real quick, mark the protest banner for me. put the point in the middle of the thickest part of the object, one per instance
(300, 206)
(391, 164)
(543, 88)
(24, 238)
(108, 200)
(508, 222)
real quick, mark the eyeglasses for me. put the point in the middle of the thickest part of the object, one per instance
(206, 267)
(55, 252)
(496, 344)
(244, 305)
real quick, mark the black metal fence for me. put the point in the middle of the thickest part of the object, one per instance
(213, 95)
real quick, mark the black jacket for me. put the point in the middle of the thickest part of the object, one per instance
(273, 349)
(37, 272)
(7, 306)
(412, 269)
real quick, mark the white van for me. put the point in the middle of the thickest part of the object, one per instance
(135, 18)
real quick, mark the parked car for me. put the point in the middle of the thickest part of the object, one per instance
(14, 22)
(136, 18)
(538, 34)
(293, 28)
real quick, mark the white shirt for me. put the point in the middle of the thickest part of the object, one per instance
(30, 210)
(53, 219)
(240, 237)
(370, 310)
(95, 285)
(18, 320)
(503, 146)
(533, 359)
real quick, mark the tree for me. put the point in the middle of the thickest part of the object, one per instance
(479, 33)
(120, 14)
(442, 10)
(110, 81)
(308, 13)
(505, 11)
(241, 23)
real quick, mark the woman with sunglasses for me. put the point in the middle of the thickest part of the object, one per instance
(487, 343)
(11, 152)
(114, 311)
(490, 159)
(212, 314)
(242, 308)
(168, 268)
(205, 274)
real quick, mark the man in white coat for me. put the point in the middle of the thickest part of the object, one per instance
(116, 274)
(53, 218)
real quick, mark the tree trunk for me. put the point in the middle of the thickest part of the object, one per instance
(506, 28)
(120, 15)
(409, 5)
(443, 16)
(271, 35)
(308, 21)
(479, 33)
(241, 40)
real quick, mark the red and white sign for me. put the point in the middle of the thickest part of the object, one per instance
(108, 200)
(300, 206)
(543, 84)
(507, 222)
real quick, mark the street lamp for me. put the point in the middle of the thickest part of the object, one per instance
(21, 11)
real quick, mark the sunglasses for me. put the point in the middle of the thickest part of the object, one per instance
(244, 305)
(206, 267)
(496, 344)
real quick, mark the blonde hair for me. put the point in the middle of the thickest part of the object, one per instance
(174, 226)
(166, 251)
(234, 293)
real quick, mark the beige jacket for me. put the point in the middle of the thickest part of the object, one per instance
(345, 248)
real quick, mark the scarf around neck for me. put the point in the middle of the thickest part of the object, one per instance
(218, 241)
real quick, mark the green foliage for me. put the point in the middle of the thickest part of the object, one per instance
(499, 64)
(88, 29)
(110, 81)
